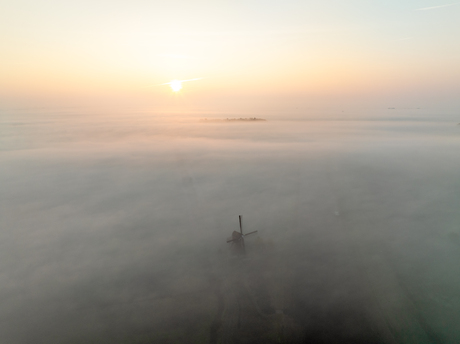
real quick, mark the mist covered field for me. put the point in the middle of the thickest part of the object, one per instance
(114, 227)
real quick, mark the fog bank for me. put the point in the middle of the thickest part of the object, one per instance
(114, 227)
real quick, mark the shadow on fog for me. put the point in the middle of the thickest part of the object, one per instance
(114, 231)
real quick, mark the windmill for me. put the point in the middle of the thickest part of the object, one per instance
(237, 238)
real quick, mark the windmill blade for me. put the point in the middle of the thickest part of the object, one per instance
(250, 233)
(241, 226)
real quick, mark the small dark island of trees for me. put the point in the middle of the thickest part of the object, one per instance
(249, 119)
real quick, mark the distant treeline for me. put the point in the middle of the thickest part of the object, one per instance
(250, 119)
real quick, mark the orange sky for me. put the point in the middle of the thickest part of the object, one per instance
(397, 53)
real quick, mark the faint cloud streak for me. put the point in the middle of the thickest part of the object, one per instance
(435, 7)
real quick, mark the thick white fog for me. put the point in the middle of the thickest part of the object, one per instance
(114, 228)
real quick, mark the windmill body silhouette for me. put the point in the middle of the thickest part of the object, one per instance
(237, 238)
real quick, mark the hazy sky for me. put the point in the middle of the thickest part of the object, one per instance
(254, 53)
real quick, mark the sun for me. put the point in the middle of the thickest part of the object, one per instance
(175, 85)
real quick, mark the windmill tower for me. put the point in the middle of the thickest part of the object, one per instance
(237, 239)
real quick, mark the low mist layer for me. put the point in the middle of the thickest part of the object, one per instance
(114, 228)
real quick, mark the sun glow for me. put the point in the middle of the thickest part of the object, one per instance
(175, 85)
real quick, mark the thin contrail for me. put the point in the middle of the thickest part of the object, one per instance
(434, 7)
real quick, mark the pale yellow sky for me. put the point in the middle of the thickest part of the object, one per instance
(405, 52)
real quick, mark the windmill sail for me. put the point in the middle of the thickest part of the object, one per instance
(237, 238)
